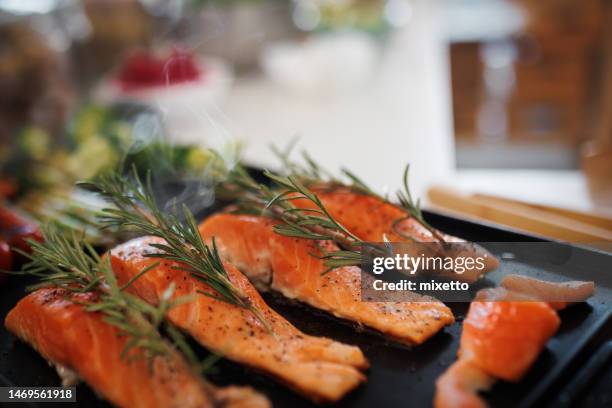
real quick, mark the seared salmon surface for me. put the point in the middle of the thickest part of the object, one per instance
(317, 367)
(287, 265)
(74, 339)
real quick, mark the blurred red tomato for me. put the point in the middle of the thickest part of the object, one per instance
(20, 240)
(16, 229)
(6, 259)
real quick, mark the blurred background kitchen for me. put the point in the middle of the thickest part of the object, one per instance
(502, 107)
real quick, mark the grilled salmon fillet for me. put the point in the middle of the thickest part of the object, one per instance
(319, 368)
(503, 334)
(503, 338)
(287, 265)
(371, 219)
(74, 339)
(500, 339)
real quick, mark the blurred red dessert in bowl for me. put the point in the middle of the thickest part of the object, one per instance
(142, 70)
(180, 84)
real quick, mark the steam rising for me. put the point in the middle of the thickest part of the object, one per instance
(181, 175)
(180, 135)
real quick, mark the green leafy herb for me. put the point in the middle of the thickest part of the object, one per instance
(315, 223)
(64, 260)
(281, 202)
(311, 173)
(135, 209)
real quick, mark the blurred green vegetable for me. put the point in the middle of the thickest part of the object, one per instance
(98, 140)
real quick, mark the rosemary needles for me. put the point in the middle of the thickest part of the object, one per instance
(135, 209)
(406, 202)
(285, 202)
(311, 173)
(64, 260)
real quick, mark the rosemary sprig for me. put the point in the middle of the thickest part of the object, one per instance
(63, 259)
(310, 173)
(296, 221)
(406, 202)
(135, 209)
(313, 174)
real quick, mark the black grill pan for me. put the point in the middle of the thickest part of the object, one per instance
(400, 376)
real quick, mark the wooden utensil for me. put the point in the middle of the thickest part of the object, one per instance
(556, 223)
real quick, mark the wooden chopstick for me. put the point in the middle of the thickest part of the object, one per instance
(558, 225)
(597, 220)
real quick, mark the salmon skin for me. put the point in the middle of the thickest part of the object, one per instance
(372, 220)
(319, 368)
(287, 265)
(73, 339)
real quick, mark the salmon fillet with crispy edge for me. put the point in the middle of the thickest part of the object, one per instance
(74, 339)
(287, 265)
(371, 219)
(317, 367)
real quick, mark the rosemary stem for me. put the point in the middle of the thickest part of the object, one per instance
(136, 210)
(338, 237)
